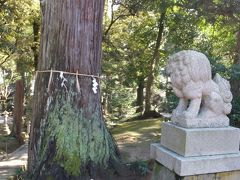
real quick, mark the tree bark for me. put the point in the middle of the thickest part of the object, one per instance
(154, 61)
(235, 83)
(69, 139)
(18, 111)
(140, 95)
(36, 28)
(105, 104)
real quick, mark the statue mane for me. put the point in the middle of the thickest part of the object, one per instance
(197, 64)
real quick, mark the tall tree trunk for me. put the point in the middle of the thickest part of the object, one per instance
(36, 28)
(235, 83)
(69, 139)
(140, 95)
(18, 111)
(105, 104)
(154, 61)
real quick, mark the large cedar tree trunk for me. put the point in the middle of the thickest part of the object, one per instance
(69, 139)
(18, 111)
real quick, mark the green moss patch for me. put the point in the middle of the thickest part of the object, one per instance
(79, 140)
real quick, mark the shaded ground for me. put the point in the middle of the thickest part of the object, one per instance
(134, 138)
(8, 144)
(14, 163)
(12, 156)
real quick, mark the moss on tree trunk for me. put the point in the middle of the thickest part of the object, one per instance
(69, 139)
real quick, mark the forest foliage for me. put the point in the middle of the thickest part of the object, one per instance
(130, 54)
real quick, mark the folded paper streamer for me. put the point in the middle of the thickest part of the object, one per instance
(95, 85)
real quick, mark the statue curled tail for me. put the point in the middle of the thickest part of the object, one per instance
(225, 92)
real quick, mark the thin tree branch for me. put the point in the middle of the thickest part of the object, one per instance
(5, 60)
(113, 21)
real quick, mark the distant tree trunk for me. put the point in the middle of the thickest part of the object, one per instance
(36, 28)
(235, 83)
(18, 111)
(153, 62)
(105, 104)
(69, 138)
(140, 95)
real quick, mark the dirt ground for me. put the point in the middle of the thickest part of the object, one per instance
(8, 144)
(133, 139)
(13, 163)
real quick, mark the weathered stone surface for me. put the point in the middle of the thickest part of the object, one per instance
(203, 101)
(187, 166)
(162, 173)
(200, 141)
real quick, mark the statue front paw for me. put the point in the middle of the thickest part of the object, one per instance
(188, 115)
(176, 113)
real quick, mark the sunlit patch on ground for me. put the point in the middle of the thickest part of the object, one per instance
(134, 138)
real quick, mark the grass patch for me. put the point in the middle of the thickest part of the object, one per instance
(141, 131)
(139, 127)
(134, 138)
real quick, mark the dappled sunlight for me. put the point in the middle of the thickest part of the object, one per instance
(5, 173)
(15, 160)
(140, 126)
(155, 134)
(149, 128)
(134, 138)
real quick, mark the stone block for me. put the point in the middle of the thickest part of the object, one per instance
(160, 172)
(200, 141)
(188, 166)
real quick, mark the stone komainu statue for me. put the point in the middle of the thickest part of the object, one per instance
(203, 102)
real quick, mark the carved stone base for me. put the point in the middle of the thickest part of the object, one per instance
(188, 166)
(200, 141)
(163, 173)
(215, 122)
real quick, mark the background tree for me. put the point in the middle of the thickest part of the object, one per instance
(222, 19)
(16, 56)
(131, 56)
(18, 112)
(154, 60)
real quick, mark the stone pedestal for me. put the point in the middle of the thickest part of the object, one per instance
(200, 141)
(198, 151)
